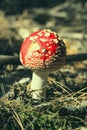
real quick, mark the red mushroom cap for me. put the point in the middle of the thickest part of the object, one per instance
(43, 49)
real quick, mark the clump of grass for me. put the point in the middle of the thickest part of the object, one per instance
(43, 116)
(61, 109)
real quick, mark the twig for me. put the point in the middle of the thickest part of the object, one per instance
(63, 87)
(17, 118)
(76, 57)
(8, 59)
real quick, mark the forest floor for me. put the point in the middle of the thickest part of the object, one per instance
(65, 107)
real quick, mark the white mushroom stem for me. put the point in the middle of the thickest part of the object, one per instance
(38, 84)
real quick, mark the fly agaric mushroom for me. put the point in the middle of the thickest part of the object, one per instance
(42, 52)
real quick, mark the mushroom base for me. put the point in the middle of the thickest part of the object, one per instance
(38, 88)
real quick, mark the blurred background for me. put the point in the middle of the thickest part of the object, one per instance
(19, 18)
